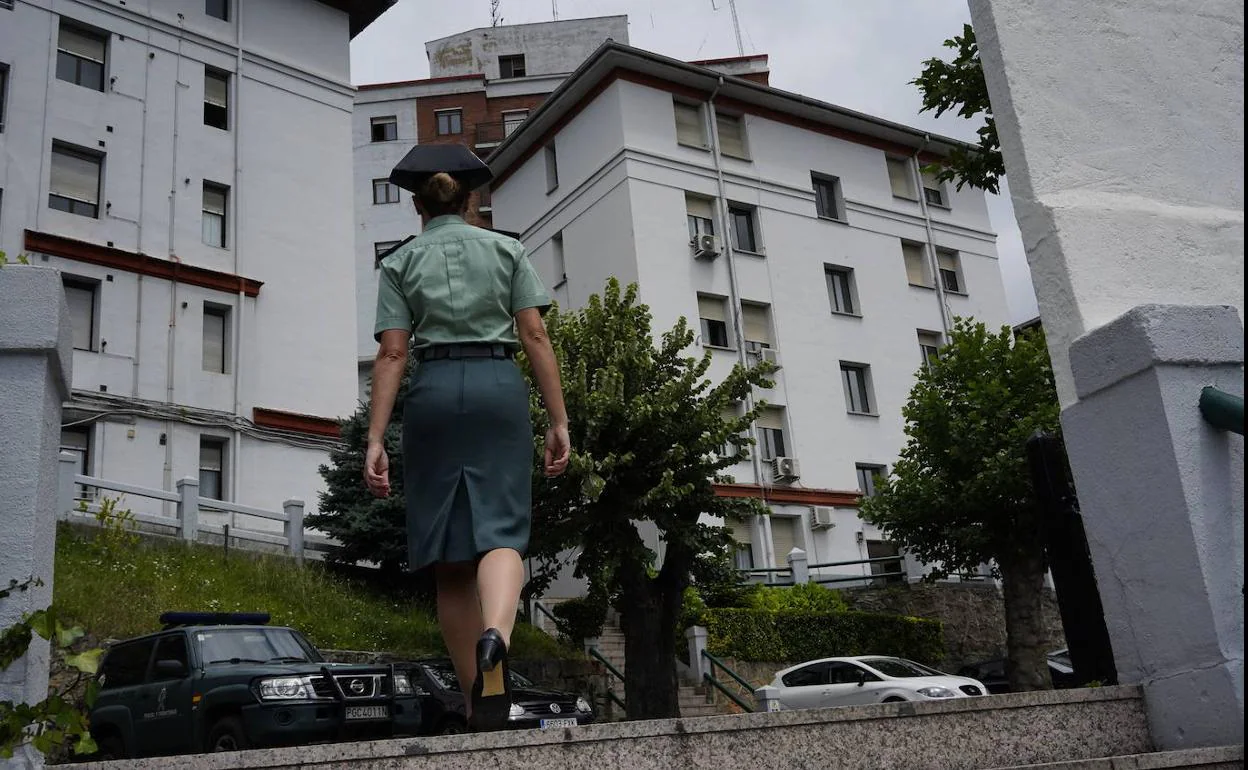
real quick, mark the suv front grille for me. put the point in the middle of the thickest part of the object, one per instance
(322, 687)
(357, 686)
(971, 689)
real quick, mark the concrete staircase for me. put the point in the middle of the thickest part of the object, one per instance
(694, 700)
(1097, 729)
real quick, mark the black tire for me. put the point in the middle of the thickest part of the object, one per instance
(109, 747)
(451, 726)
(227, 734)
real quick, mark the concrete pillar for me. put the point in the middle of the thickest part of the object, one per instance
(188, 509)
(1122, 127)
(768, 698)
(293, 527)
(697, 636)
(798, 566)
(35, 369)
(1162, 496)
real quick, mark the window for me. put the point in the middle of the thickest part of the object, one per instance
(950, 271)
(714, 320)
(125, 665)
(217, 99)
(384, 192)
(889, 571)
(513, 120)
(561, 266)
(552, 167)
(829, 203)
(511, 66)
(917, 272)
(731, 129)
(933, 190)
(858, 397)
(217, 9)
(701, 213)
(756, 325)
(74, 183)
(4, 89)
(743, 553)
(868, 475)
(80, 56)
(214, 224)
(76, 440)
(385, 129)
(813, 675)
(848, 673)
(381, 249)
(929, 347)
(172, 648)
(900, 178)
(841, 290)
(742, 219)
(212, 468)
(80, 296)
(729, 449)
(450, 122)
(690, 130)
(771, 439)
(216, 338)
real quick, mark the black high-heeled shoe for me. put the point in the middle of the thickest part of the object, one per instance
(491, 690)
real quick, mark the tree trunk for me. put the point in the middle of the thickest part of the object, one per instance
(650, 684)
(1022, 581)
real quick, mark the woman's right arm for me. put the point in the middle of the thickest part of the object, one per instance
(541, 354)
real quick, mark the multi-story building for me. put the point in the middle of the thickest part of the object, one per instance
(483, 83)
(186, 164)
(794, 231)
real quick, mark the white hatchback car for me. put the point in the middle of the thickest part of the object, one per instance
(867, 679)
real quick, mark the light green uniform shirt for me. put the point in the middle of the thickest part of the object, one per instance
(455, 283)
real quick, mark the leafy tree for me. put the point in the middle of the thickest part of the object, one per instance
(961, 494)
(959, 85)
(648, 432)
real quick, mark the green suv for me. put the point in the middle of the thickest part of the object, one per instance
(227, 681)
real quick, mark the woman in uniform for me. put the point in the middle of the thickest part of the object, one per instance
(468, 298)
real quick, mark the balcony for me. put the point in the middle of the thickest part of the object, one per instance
(490, 135)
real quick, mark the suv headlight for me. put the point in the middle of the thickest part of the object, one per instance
(286, 688)
(583, 706)
(937, 692)
(402, 685)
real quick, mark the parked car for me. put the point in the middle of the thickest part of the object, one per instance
(992, 672)
(226, 681)
(443, 709)
(867, 679)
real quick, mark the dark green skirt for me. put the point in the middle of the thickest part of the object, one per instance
(467, 460)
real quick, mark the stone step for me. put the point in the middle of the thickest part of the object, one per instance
(1217, 758)
(999, 731)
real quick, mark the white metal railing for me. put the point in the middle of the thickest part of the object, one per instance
(188, 505)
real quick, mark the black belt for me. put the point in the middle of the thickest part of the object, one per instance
(477, 350)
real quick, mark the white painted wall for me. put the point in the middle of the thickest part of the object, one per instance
(622, 171)
(553, 47)
(290, 223)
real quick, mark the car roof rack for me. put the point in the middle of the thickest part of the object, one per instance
(181, 619)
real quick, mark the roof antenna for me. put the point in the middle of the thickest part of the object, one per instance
(736, 24)
(495, 18)
(554, 10)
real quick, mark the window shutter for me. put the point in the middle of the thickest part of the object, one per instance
(916, 271)
(771, 418)
(699, 207)
(783, 537)
(214, 342)
(757, 328)
(216, 89)
(81, 301)
(711, 308)
(930, 181)
(689, 129)
(742, 532)
(947, 260)
(79, 44)
(731, 135)
(210, 457)
(75, 176)
(899, 178)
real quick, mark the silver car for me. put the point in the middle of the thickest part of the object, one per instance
(867, 679)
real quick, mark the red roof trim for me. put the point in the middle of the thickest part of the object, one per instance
(790, 495)
(299, 423)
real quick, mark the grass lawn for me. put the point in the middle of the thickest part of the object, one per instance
(116, 588)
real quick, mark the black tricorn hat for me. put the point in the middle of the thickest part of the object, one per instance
(425, 160)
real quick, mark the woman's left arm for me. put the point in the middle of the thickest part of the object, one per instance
(387, 373)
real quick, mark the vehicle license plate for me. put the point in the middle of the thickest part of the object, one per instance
(557, 723)
(362, 713)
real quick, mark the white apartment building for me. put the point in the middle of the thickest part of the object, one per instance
(483, 84)
(786, 229)
(186, 164)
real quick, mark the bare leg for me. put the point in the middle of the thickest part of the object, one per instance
(500, 576)
(459, 615)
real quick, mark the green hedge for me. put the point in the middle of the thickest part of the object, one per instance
(761, 635)
(580, 619)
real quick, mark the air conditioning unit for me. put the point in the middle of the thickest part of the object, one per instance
(785, 469)
(706, 247)
(770, 356)
(821, 518)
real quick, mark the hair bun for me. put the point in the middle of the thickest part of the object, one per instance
(441, 188)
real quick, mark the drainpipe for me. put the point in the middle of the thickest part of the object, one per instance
(932, 262)
(172, 334)
(763, 528)
(138, 313)
(236, 195)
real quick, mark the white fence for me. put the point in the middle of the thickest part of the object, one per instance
(188, 505)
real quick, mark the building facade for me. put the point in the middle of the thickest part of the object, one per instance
(483, 84)
(792, 231)
(186, 165)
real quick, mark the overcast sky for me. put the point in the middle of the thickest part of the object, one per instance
(856, 54)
